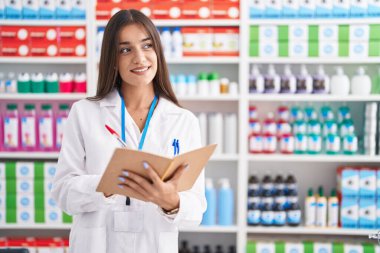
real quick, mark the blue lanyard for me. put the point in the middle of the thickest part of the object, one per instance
(151, 109)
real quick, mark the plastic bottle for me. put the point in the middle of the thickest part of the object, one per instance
(60, 122)
(181, 85)
(219, 249)
(80, 83)
(279, 191)
(2, 82)
(279, 215)
(233, 88)
(66, 83)
(254, 213)
(310, 209)
(192, 85)
(300, 144)
(195, 249)
(23, 83)
(11, 83)
(209, 217)
(304, 81)
(206, 249)
(11, 128)
(225, 203)
(256, 81)
(332, 144)
(361, 83)
(177, 40)
(166, 39)
(321, 209)
(29, 128)
(267, 187)
(288, 81)
(272, 82)
(224, 85)
(321, 81)
(287, 144)
(52, 85)
(327, 113)
(37, 83)
(203, 84)
(333, 210)
(45, 128)
(291, 189)
(184, 247)
(269, 126)
(340, 83)
(231, 249)
(214, 82)
(314, 143)
(293, 214)
(266, 214)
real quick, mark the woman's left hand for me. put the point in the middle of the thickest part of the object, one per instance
(163, 194)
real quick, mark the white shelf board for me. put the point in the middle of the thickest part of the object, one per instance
(311, 97)
(310, 231)
(29, 155)
(211, 229)
(204, 60)
(186, 22)
(44, 60)
(225, 157)
(320, 60)
(42, 96)
(42, 22)
(313, 158)
(37, 226)
(313, 21)
(221, 97)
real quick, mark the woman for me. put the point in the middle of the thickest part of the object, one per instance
(134, 97)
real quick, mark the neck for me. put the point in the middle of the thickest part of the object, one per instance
(136, 98)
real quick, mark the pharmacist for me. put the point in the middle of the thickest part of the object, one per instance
(135, 99)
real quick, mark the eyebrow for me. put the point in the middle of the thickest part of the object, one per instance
(127, 42)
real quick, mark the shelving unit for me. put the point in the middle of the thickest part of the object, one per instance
(243, 161)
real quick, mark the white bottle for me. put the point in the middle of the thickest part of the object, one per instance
(202, 117)
(166, 39)
(203, 84)
(321, 220)
(230, 133)
(333, 210)
(321, 82)
(191, 85)
(11, 83)
(177, 41)
(272, 81)
(233, 88)
(2, 82)
(288, 81)
(181, 85)
(215, 131)
(304, 81)
(340, 83)
(361, 83)
(310, 209)
(256, 81)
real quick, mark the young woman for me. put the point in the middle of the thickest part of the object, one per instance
(134, 97)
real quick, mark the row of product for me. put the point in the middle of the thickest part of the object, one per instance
(304, 83)
(301, 132)
(313, 9)
(356, 41)
(156, 9)
(47, 9)
(33, 245)
(40, 83)
(220, 204)
(25, 194)
(32, 130)
(273, 202)
(309, 246)
(43, 41)
(205, 85)
(219, 128)
(184, 248)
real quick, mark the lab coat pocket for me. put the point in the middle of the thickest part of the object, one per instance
(168, 242)
(88, 240)
(131, 221)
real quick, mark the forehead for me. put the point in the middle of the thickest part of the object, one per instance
(133, 33)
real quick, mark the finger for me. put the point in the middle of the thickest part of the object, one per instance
(136, 187)
(143, 182)
(133, 192)
(179, 172)
(152, 173)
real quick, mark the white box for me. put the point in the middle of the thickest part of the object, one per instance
(367, 213)
(320, 247)
(268, 33)
(50, 169)
(25, 201)
(78, 9)
(298, 33)
(268, 49)
(48, 184)
(367, 183)
(294, 247)
(373, 8)
(328, 33)
(265, 247)
(53, 216)
(25, 216)
(350, 182)
(2, 201)
(273, 8)
(63, 9)
(2, 186)
(341, 8)
(351, 248)
(328, 49)
(290, 8)
(2, 170)
(256, 8)
(2, 9)
(323, 8)
(13, 8)
(2, 217)
(349, 213)
(358, 49)
(47, 9)
(24, 170)
(358, 8)
(359, 33)
(30, 9)
(50, 202)
(306, 8)
(25, 186)
(298, 49)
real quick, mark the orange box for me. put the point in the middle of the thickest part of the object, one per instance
(196, 10)
(104, 11)
(226, 41)
(15, 48)
(72, 49)
(145, 8)
(168, 10)
(43, 49)
(197, 41)
(225, 10)
(72, 33)
(15, 34)
(44, 34)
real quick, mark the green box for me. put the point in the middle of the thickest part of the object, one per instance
(11, 201)
(39, 215)
(374, 32)
(313, 50)
(254, 33)
(283, 49)
(374, 48)
(283, 33)
(251, 247)
(344, 33)
(280, 247)
(39, 170)
(343, 48)
(39, 202)
(10, 186)
(10, 170)
(368, 248)
(254, 49)
(39, 187)
(308, 247)
(11, 216)
(66, 218)
(338, 247)
(313, 33)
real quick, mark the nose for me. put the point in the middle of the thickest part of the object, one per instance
(139, 57)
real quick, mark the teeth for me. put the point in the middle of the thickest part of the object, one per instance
(140, 70)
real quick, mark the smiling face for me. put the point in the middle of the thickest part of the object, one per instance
(137, 57)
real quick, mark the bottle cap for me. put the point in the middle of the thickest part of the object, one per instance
(29, 107)
(321, 70)
(310, 192)
(46, 107)
(333, 192)
(287, 70)
(224, 183)
(181, 79)
(361, 71)
(255, 70)
(37, 77)
(304, 71)
(271, 70)
(80, 77)
(11, 106)
(209, 183)
(224, 81)
(191, 79)
(63, 106)
(339, 71)
(52, 77)
(320, 191)
(213, 76)
(23, 77)
(202, 76)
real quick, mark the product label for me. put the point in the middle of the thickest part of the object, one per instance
(279, 218)
(61, 121)
(300, 143)
(333, 144)
(253, 216)
(256, 144)
(10, 132)
(287, 144)
(267, 217)
(294, 217)
(269, 143)
(315, 143)
(28, 132)
(46, 132)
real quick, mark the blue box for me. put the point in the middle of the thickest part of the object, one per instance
(78, 10)
(373, 8)
(341, 9)
(367, 213)
(349, 182)
(290, 9)
(368, 183)
(349, 213)
(30, 9)
(358, 8)
(47, 9)
(63, 9)
(13, 9)
(306, 9)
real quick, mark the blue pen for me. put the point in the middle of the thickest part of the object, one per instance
(174, 146)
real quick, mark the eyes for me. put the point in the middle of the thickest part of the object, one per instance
(126, 50)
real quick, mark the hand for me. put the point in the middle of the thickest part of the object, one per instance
(163, 194)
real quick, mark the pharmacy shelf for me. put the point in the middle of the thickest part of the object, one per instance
(314, 158)
(44, 60)
(204, 60)
(320, 60)
(311, 98)
(225, 157)
(28, 22)
(36, 226)
(43, 96)
(210, 98)
(315, 21)
(210, 229)
(311, 231)
(184, 22)
(29, 155)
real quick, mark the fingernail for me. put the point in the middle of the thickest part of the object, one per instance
(187, 167)
(125, 173)
(145, 164)
(120, 186)
(122, 179)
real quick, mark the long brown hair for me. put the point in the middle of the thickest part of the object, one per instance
(109, 77)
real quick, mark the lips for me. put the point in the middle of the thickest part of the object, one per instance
(140, 70)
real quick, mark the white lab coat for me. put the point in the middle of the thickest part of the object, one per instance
(102, 224)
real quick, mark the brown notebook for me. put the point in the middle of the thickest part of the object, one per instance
(131, 160)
